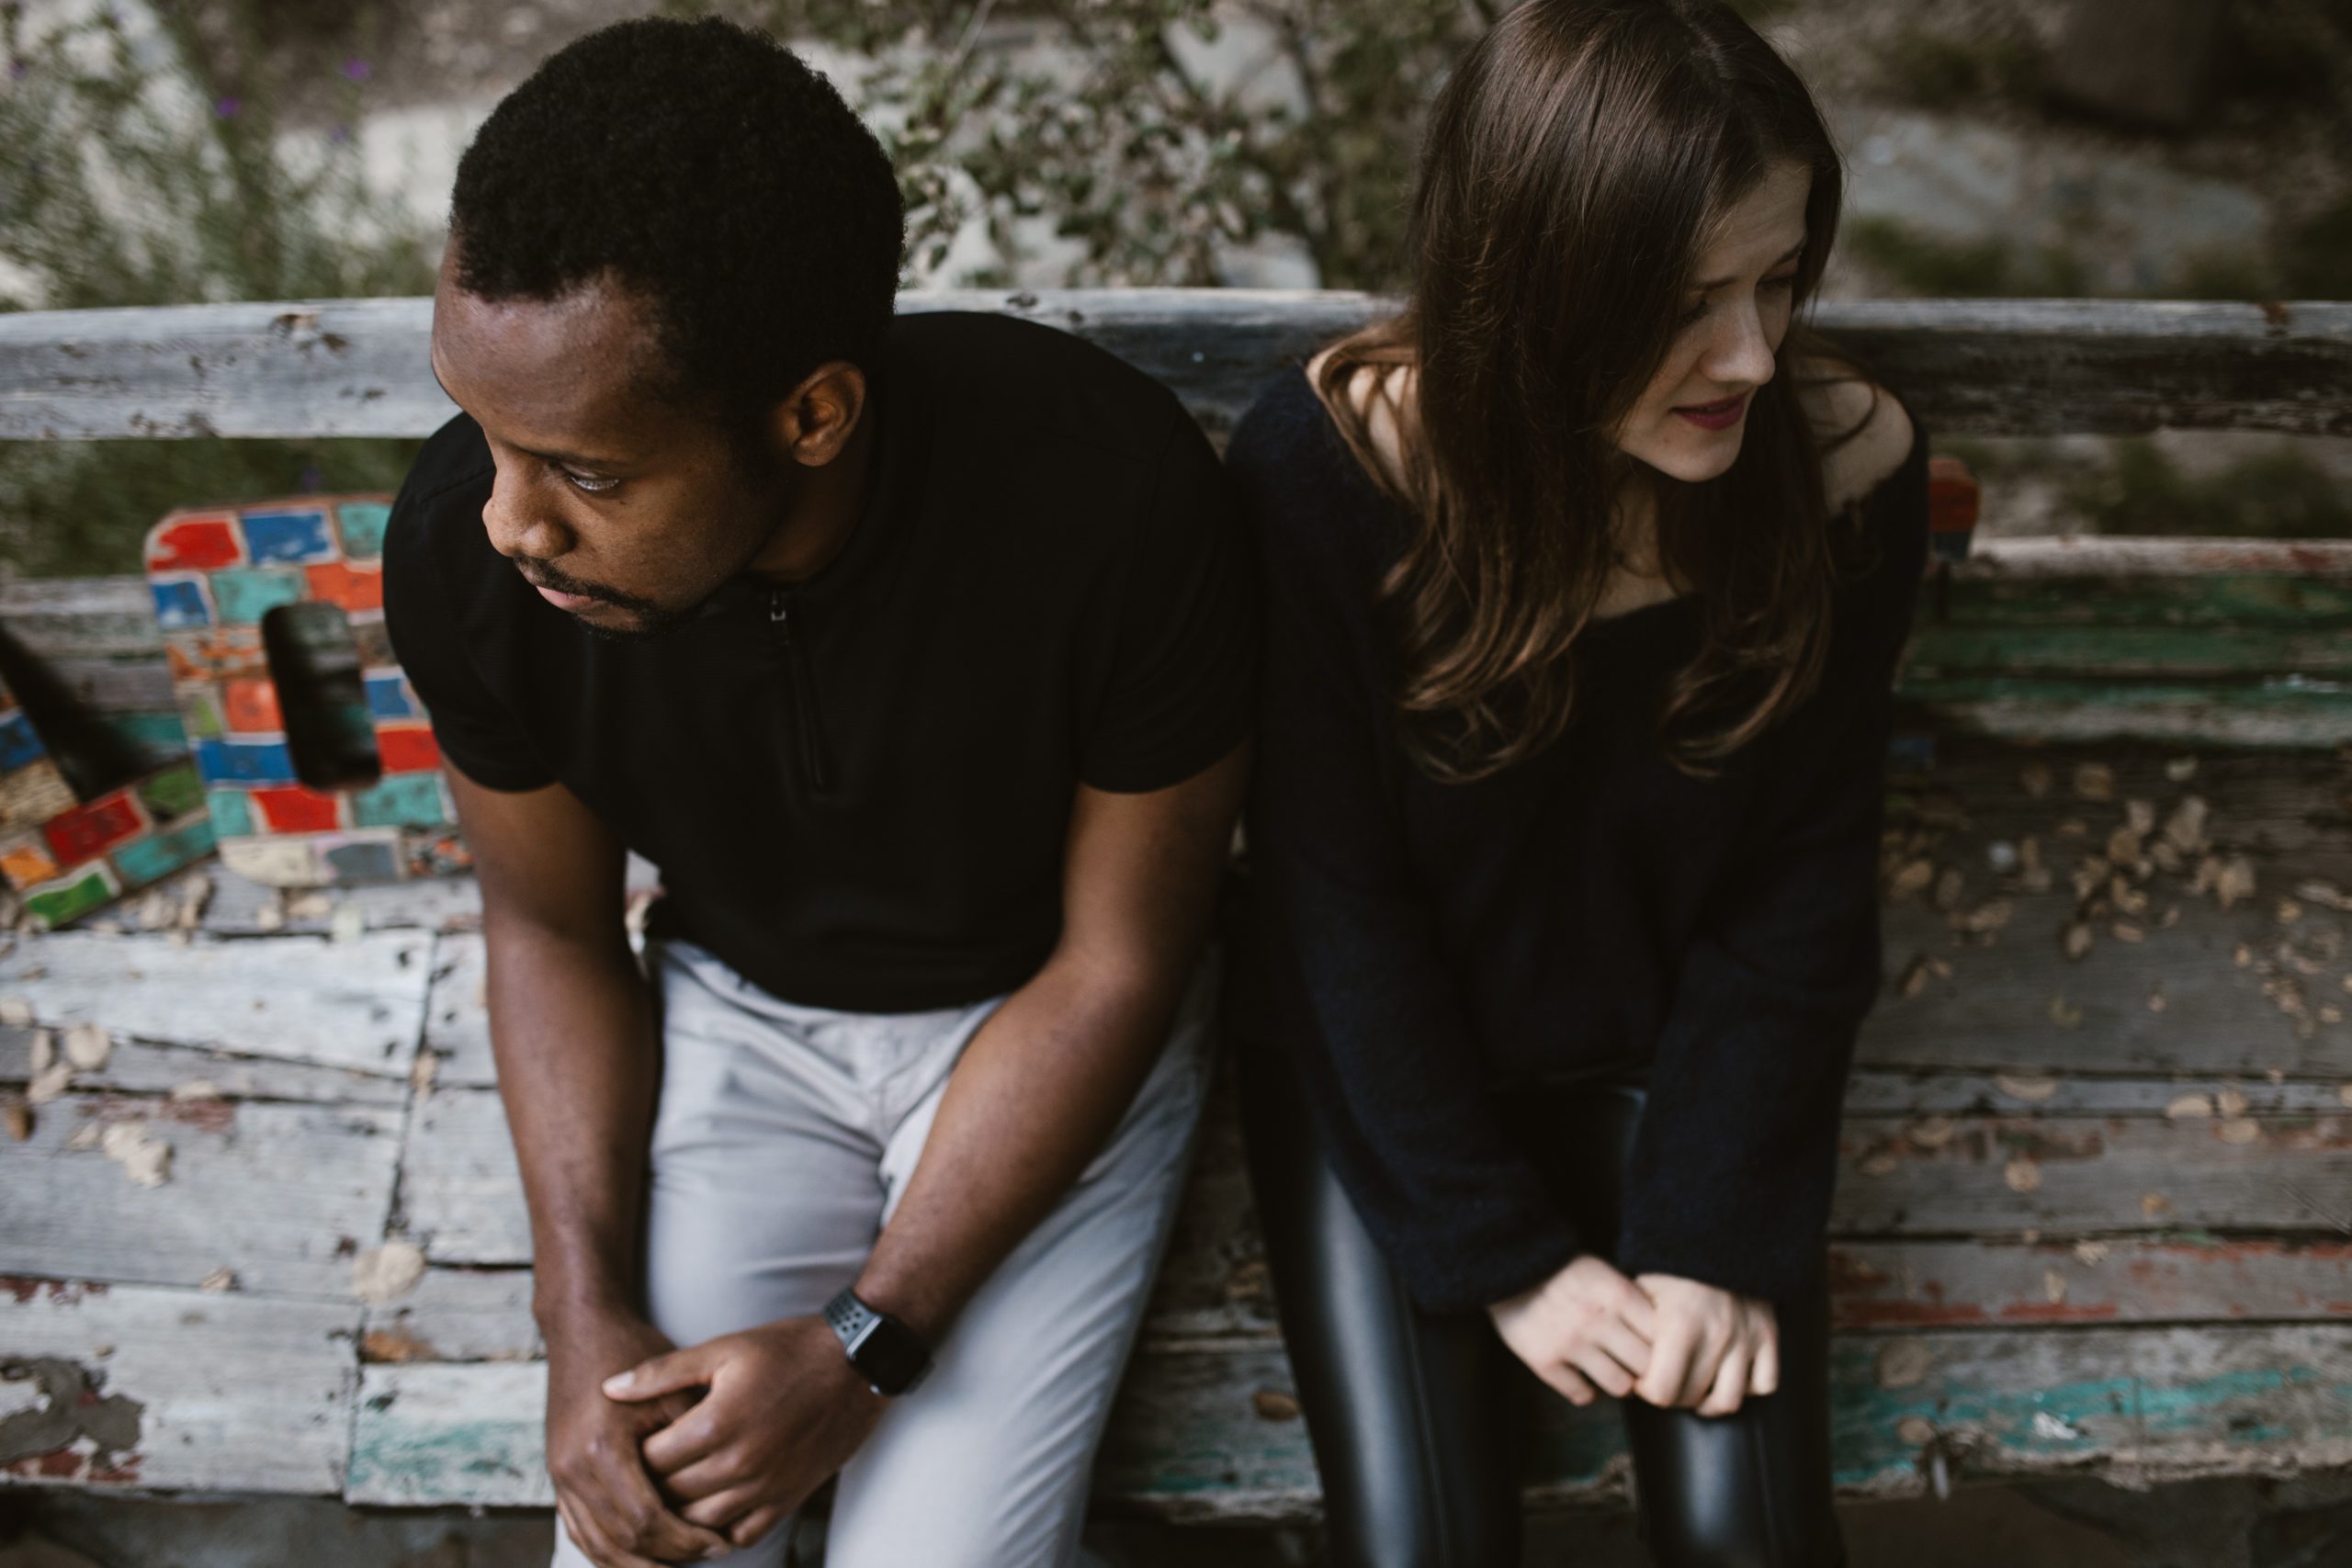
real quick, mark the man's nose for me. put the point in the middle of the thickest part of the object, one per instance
(517, 527)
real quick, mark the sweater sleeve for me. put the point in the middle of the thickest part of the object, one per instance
(1369, 1011)
(1735, 1158)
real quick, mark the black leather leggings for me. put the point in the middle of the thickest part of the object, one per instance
(1414, 1417)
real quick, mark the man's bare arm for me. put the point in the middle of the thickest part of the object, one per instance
(572, 1026)
(1048, 1076)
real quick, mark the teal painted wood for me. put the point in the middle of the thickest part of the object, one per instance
(1208, 1431)
(2229, 598)
(2227, 656)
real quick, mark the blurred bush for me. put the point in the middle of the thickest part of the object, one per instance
(141, 163)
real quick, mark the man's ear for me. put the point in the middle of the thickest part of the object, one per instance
(817, 418)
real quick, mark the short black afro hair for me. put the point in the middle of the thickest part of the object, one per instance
(707, 168)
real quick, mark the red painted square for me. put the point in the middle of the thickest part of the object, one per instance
(250, 707)
(290, 808)
(194, 544)
(337, 583)
(407, 749)
(88, 831)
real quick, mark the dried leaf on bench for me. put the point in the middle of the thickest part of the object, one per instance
(1916, 1430)
(48, 1084)
(195, 1089)
(2231, 1103)
(1931, 1133)
(1881, 1161)
(144, 1158)
(2124, 930)
(1912, 879)
(2156, 1002)
(2095, 781)
(1913, 978)
(19, 1118)
(2019, 1085)
(2155, 1203)
(2140, 816)
(2241, 1130)
(220, 1281)
(1272, 1405)
(2054, 1286)
(2189, 1105)
(2185, 828)
(1904, 1362)
(87, 1046)
(44, 1051)
(2234, 881)
(2034, 778)
(2180, 769)
(2090, 1253)
(1948, 888)
(380, 1273)
(2326, 894)
(2021, 1174)
(2064, 1013)
(17, 1013)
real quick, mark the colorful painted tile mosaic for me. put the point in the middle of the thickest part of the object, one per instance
(216, 574)
(67, 857)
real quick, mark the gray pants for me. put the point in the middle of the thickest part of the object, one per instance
(783, 1137)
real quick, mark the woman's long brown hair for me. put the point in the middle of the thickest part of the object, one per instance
(1570, 169)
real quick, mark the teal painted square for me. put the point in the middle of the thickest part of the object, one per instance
(245, 595)
(363, 527)
(160, 854)
(232, 812)
(402, 800)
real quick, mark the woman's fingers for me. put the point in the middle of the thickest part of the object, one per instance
(1619, 1340)
(1567, 1381)
(1730, 1386)
(1764, 1373)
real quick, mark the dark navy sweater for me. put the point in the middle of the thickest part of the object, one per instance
(1423, 949)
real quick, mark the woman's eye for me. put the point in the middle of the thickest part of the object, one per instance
(1789, 281)
(1690, 316)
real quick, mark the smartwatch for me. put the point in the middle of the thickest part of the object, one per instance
(891, 1357)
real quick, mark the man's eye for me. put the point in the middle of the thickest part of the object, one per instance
(593, 487)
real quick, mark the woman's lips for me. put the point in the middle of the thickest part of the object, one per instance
(1715, 416)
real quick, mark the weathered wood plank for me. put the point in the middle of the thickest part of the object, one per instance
(2064, 1173)
(1188, 1439)
(174, 1390)
(2027, 557)
(356, 1004)
(2285, 711)
(456, 1014)
(461, 1195)
(241, 906)
(136, 1068)
(457, 1315)
(357, 366)
(2122, 1278)
(281, 1195)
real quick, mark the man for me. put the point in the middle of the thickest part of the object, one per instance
(918, 654)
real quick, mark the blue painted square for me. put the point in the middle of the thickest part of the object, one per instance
(387, 698)
(245, 761)
(19, 744)
(232, 812)
(363, 527)
(180, 603)
(273, 536)
(157, 857)
(402, 800)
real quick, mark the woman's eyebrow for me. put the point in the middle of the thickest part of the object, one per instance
(1788, 254)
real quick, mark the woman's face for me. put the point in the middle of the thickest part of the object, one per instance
(1689, 419)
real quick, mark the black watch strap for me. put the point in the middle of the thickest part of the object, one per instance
(891, 1357)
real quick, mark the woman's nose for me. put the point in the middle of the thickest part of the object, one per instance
(1741, 355)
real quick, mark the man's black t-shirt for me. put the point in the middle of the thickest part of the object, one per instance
(857, 786)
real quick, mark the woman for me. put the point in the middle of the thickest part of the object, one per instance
(1587, 576)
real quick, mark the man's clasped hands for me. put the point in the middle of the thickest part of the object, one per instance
(665, 1455)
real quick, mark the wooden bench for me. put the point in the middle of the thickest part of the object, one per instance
(2095, 1212)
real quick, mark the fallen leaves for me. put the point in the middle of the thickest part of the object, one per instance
(382, 1273)
(2189, 1105)
(220, 1281)
(2240, 1129)
(2095, 781)
(1272, 1405)
(145, 1158)
(2022, 1176)
(2090, 1254)
(2019, 1085)
(17, 1013)
(87, 1046)
(18, 1116)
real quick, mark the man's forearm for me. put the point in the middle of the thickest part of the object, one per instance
(571, 1025)
(1037, 1092)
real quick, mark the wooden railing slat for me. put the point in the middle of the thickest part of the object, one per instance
(358, 367)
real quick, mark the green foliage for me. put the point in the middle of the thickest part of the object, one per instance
(1936, 71)
(2279, 493)
(141, 163)
(1100, 134)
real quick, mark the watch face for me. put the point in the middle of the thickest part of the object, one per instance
(890, 1356)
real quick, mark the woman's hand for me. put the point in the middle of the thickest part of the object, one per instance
(1711, 1347)
(1586, 1326)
